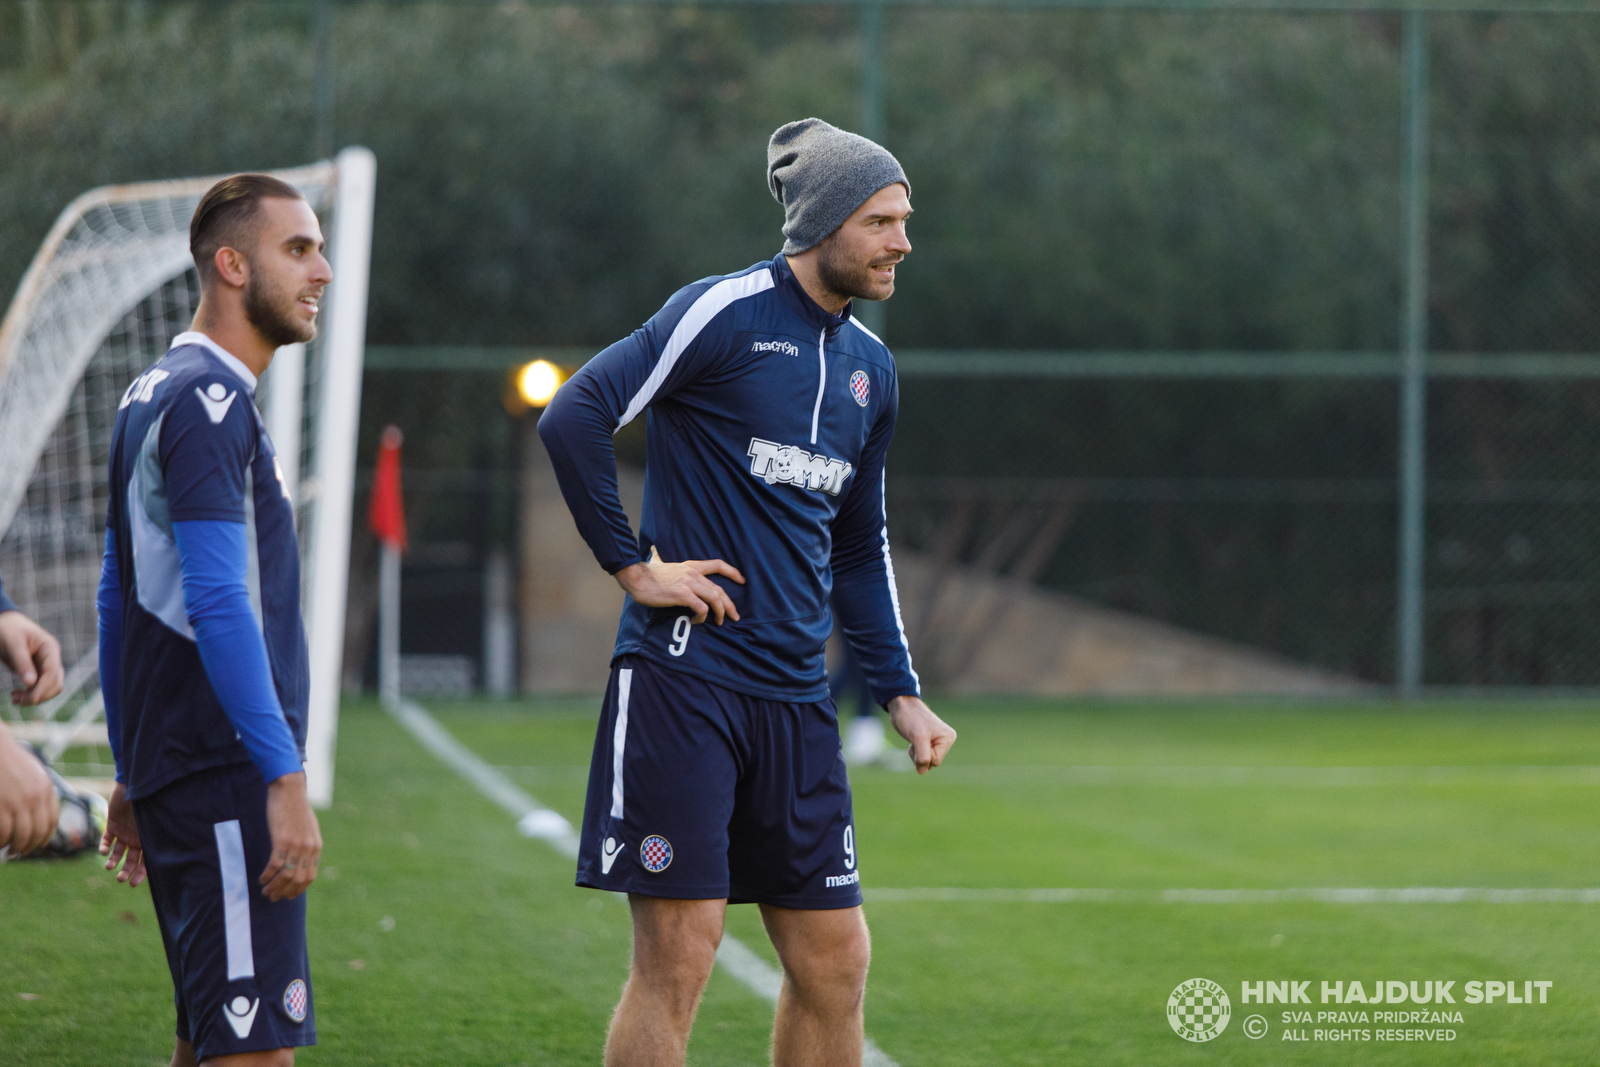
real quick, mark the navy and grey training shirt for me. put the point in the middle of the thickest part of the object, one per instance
(768, 423)
(203, 658)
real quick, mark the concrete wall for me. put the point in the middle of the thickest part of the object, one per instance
(567, 606)
(988, 635)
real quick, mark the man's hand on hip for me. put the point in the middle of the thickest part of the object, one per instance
(296, 839)
(930, 736)
(28, 805)
(682, 585)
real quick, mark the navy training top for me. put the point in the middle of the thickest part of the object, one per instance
(190, 452)
(768, 423)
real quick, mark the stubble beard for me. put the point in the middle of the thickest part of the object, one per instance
(272, 312)
(849, 279)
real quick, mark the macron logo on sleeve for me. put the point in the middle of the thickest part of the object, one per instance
(217, 400)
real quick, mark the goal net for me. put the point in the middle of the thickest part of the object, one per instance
(110, 287)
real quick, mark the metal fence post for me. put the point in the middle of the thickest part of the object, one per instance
(873, 126)
(322, 82)
(1414, 340)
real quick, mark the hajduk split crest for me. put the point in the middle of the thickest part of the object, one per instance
(1198, 1010)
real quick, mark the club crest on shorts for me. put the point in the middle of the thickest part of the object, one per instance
(655, 852)
(859, 387)
(294, 1001)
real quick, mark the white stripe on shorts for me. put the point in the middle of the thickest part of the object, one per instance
(235, 900)
(619, 740)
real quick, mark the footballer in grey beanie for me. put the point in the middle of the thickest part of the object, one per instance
(821, 174)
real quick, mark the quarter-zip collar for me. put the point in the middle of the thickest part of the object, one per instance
(795, 296)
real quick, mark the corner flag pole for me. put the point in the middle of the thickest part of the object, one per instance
(339, 404)
(387, 519)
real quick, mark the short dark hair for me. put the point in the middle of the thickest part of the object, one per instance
(224, 215)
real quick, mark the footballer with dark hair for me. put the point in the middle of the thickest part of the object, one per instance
(203, 657)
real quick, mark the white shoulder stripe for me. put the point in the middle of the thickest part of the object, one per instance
(894, 592)
(866, 331)
(701, 312)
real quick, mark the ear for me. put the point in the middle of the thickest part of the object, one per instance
(231, 268)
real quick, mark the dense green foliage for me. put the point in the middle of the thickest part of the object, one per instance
(492, 958)
(1083, 179)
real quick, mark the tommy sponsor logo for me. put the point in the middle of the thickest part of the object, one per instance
(609, 853)
(143, 388)
(835, 881)
(241, 1015)
(774, 463)
(295, 1000)
(788, 348)
(217, 400)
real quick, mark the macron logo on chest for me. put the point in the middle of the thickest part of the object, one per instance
(788, 348)
(774, 463)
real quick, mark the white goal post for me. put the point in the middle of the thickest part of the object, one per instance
(109, 288)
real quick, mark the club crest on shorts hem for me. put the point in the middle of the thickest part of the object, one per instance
(655, 852)
(294, 1001)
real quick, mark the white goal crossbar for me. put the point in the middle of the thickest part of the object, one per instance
(109, 287)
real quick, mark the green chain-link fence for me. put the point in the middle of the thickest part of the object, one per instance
(1199, 211)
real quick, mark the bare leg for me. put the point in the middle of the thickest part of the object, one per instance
(674, 948)
(825, 956)
(278, 1057)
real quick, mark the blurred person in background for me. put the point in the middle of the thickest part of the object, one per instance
(29, 807)
(717, 774)
(864, 738)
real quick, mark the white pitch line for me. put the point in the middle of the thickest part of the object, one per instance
(1323, 895)
(533, 818)
(536, 820)
(1313, 777)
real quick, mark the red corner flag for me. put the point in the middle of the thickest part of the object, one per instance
(386, 515)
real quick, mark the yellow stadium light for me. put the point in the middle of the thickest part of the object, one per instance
(538, 381)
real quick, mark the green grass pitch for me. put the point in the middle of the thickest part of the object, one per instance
(439, 935)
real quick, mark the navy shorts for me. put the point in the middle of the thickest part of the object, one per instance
(700, 793)
(238, 960)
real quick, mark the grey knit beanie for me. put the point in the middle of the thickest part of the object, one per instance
(821, 174)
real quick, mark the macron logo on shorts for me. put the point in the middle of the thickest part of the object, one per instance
(609, 853)
(241, 1015)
